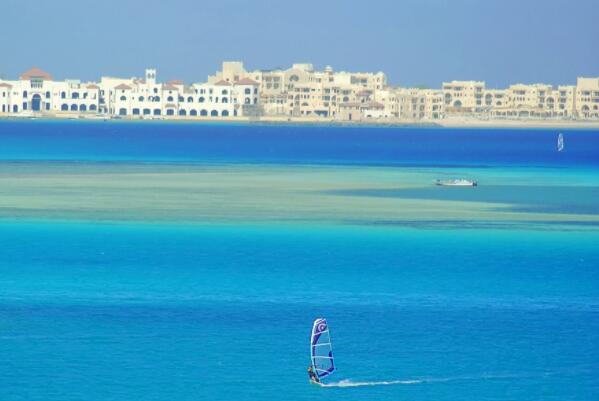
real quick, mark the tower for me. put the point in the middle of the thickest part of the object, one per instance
(151, 76)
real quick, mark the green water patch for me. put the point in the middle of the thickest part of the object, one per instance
(526, 199)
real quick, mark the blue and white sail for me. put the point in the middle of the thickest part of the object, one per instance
(321, 349)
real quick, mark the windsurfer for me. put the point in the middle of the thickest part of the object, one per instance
(312, 375)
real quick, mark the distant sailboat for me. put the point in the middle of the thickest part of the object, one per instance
(560, 142)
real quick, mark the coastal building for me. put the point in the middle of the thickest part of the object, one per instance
(463, 96)
(147, 98)
(421, 104)
(302, 92)
(296, 93)
(587, 98)
(37, 92)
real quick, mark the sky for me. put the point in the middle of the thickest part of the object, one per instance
(415, 42)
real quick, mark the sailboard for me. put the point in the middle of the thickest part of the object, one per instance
(560, 142)
(321, 349)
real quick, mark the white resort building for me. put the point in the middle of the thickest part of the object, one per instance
(298, 93)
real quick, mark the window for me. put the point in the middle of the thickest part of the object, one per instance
(248, 91)
(25, 94)
(123, 98)
(190, 99)
(141, 99)
(48, 95)
(75, 95)
(201, 99)
(169, 99)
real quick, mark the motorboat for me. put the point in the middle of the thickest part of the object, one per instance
(460, 182)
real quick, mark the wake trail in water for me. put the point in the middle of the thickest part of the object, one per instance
(350, 383)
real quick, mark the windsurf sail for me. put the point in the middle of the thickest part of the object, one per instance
(321, 349)
(560, 142)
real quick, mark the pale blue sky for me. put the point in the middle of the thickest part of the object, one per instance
(414, 41)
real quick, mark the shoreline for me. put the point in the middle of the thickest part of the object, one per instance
(451, 122)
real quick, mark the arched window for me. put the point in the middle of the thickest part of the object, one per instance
(214, 113)
(247, 91)
(83, 108)
(48, 95)
(193, 113)
(123, 98)
(248, 100)
(156, 112)
(156, 98)
(201, 99)
(224, 92)
(15, 109)
(73, 107)
(457, 104)
(135, 111)
(170, 112)
(255, 91)
(225, 113)
(190, 99)
(141, 99)
(75, 95)
(122, 111)
(147, 112)
(169, 99)
(92, 107)
(203, 113)
(182, 112)
(255, 100)
(64, 107)
(25, 94)
(63, 95)
(181, 99)
(225, 100)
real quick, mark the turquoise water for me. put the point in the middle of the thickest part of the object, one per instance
(121, 310)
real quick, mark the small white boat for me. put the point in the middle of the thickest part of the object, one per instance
(460, 182)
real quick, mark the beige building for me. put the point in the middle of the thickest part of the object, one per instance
(587, 98)
(463, 96)
(422, 104)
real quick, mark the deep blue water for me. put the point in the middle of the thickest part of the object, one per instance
(123, 311)
(155, 141)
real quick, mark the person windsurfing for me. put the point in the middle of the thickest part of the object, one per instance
(312, 375)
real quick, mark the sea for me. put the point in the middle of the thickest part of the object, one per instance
(187, 261)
